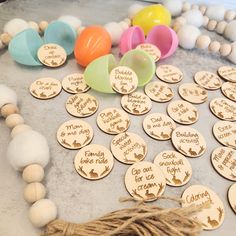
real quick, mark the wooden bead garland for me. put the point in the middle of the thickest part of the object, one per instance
(34, 192)
(33, 173)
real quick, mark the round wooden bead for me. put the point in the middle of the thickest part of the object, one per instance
(33, 173)
(34, 192)
(128, 21)
(80, 29)
(205, 21)
(211, 25)
(230, 32)
(15, 26)
(194, 17)
(225, 49)
(202, 9)
(115, 31)
(9, 109)
(195, 7)
(177, 26)
(43, 25)
(124, 25)
(7, 95)
(229, 15)
(34, 25)
(174, 6)
(19, 129)
(232, 55)
(220, 28)
(133, 9)
(14, 120)
(215, 12)
(180, 20)
(214, 46)
(203, 41)
(5, 38)
(186, 6)
(73, 21)
(42, 212)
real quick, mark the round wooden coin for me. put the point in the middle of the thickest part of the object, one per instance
(159, 91)
(229, 90)
(136, 103)
(224, 161)
(223, 108)
(227, 73)
(145, 181)
(45, 88)
(52, 55)
(158, 126)
(151, 49)
(128, 148)
(113, 120)
(231, 196)
(169, 73)
(81, 105)
(75, 83)
(193, 93)
(208, 80)
(175, 167)
(211, 217)
(123, 80)
(93, 162)
(225, 133)
(188, 141)
(74, 134)
(183, 112)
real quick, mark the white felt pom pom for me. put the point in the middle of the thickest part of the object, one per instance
(15, 26)
(215, 12)
(133, 9)
(42, 212)
(115, 30)
(7, 95)
(73, 21)
(174, 6)
(230, 32)
(188, 35)
(232, 55)
(29, 147)
(194, 17)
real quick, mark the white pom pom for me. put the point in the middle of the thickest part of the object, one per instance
(29, 147)
(215, 12)
(7, 95)
(230, 32)
(232, 55)
(73, 21)
(115, 30)
(188, 35)
(33, 25)
(174, 6)
(194, 17)
(133, 9)
(42, 212)
(15, 26)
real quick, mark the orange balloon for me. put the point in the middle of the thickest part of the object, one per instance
(93, 42)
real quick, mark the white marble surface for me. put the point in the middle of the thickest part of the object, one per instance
(78, 199)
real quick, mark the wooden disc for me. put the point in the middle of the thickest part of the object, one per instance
(75, 83)
(151, 49)
(225, 133)
(123, 80)
(211, 217)
(175, 167)
(223, 108)
(229, 90)
(74, 134)
(231, 196)
(227, 73)
(52, 55)
(45, 88)
(208, 80)
(169, 73)
(113, 120)
(224, 161)
(193, 93)
(128, 148)
(158, 126)
(145, 181)
(93, 162)
(159, 91)
(188, 141)
(81, 105)
(183, 112)
(136, 103)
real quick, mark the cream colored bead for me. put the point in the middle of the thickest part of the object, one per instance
(19, 129)
(205, 21)
(195, 7)
(43, 25)
(203, 41)
(229, 15)
(202, 9)
(232, 55)
(214, 47)
(33, 173)
(128, 21)
(211, 25)
(34, 25)
(225, 49)
(9, 109)
(180, 20)
(80, 29)
(176, 27)
(5, 38)
(186, 6)
(220, 28)
(14, 120)
(34, 192)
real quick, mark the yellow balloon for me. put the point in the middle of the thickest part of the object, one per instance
(151, 16)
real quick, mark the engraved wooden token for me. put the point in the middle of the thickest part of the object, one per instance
(74, 134)
(159, 91)
(193, 93)
(136, 103)
(208, 80)
(81, 105)
(175, 167)
(232, 196)
(151, 49)
(227, 73)
(224, 161)
(229, 90)
(93, 162)
(123, 80)
(183, 112)
(169, 73)
(145, 181)
(45, 88)
(128, 148)
(113, 120)
(52, 55)
(188, 141)
(225, 133)
(75, 83)
(158, 126)
(223, 108)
